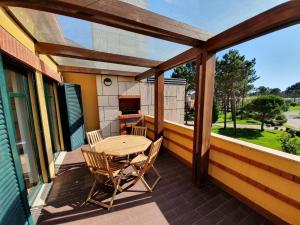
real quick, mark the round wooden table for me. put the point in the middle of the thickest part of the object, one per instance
(123, 145)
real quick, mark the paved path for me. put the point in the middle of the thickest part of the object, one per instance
(290, 115)
(248, 126)
(292, 120)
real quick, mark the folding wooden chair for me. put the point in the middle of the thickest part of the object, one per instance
(101, 167)
(139, 131)
(94, 137)
(142, 164)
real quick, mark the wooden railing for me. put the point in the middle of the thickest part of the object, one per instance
(267, 180)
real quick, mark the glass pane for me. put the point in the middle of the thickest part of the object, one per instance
(49, 90)
(213, 16)
(58, 29)
(14, 81)
(54, 124)
(25, 144)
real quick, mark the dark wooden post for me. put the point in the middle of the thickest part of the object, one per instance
(205, 72)
(159, 105)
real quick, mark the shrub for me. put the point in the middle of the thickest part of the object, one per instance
(189, 116)
(291, 131)
(293, 104)
(296, 132)
(280, 119)
(286, 106)
(288, 144)
(265, 107)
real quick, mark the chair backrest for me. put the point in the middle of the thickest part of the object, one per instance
(139, 131)
(96, 161)
(94, 137)
(155, 147)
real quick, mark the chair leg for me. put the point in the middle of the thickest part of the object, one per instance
(141, 177)
(115, 192)
(145, 183)
(108, 206)
(157, 179)
(91, 191)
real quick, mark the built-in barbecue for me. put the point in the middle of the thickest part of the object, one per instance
(129, 105)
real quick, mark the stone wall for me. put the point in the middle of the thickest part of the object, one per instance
(108, 103)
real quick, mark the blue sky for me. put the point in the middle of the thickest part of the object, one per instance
(277, 54)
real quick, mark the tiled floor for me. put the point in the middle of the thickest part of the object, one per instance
(174, 201)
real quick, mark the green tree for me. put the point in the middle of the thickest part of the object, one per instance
(262, 90)
(293, 91)
(215, 111)
(265, 107)
(234, 77)
(187, 72)
(275, 91)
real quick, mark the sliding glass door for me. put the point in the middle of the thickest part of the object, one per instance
(17, 86)
(52, 115)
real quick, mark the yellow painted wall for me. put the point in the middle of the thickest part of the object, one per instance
(89, 97)
(11, 27)
(49, 62)
(45, 122)
(283, 161)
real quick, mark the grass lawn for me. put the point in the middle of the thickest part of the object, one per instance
(267, 138)
(294, 108)
(238, 120)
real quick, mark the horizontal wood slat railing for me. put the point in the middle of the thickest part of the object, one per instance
(265, 179)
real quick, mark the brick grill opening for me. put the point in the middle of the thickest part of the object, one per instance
(129, 105)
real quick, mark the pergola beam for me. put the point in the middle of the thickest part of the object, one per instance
(185, 57)
(279, 17)
(81, 53)
(77, 69)
(121, 15)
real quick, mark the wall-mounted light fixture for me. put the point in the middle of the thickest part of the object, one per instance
(107, 81)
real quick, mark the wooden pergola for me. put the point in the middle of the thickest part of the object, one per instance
(203, 49)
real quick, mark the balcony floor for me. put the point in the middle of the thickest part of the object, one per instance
(174, 201)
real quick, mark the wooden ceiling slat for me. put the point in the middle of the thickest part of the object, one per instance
(76, 69)
(81, 53)
(121, 15)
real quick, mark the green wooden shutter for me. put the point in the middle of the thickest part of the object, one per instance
(11, 206)
(71, 110)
